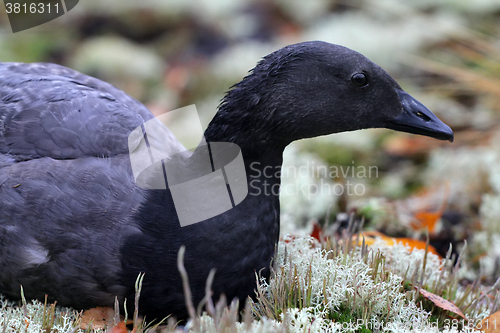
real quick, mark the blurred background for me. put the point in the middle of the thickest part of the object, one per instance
(446, 53)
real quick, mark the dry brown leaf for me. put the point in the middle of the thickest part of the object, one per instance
(98, 317)
(441, 302)
(490, 324)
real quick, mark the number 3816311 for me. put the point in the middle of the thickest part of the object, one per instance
(31, 8)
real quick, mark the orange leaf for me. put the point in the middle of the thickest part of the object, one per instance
(413, 243)
(120, 328)
(98, 317)
(417, 244)
(441, 302)
(490, 324)
(426, 220)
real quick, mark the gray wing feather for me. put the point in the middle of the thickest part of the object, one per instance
(47, 110)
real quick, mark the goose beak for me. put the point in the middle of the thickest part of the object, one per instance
(418, 119)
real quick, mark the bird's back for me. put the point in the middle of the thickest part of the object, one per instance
(47, 110)
(67, 195)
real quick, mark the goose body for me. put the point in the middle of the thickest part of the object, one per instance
(74, 224)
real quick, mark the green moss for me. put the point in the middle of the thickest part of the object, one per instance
(347, 316)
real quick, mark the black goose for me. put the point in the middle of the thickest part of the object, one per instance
(73, 223)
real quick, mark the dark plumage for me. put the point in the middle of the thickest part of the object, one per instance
(74, 225)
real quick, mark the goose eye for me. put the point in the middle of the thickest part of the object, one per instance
(359, 80)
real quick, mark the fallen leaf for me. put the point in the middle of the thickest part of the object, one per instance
(98, 317)
(120, 328)
(490, 324)
(417, 244)
(441, 302)
(317, 232)
(371, 236)
(426, 220)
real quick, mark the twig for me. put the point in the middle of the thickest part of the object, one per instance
(185, 285)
